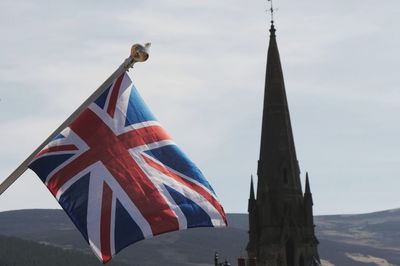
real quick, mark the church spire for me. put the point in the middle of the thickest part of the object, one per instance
(281, 227)
(277, 166)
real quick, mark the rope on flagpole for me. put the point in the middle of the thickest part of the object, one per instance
(139, 53)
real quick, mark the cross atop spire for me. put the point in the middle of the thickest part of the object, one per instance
(271, 10)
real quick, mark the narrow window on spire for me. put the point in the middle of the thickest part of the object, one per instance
(285, 178)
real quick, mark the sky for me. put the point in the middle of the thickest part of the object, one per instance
(204, 81)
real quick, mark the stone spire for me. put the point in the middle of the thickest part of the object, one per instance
(280, 217)
(277, 166)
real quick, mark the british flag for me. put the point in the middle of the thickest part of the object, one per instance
(121, 178)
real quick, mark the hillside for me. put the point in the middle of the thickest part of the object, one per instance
(16, 252)
(190, 247)
(367, 239)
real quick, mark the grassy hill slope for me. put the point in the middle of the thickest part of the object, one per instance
(346, 240)
(17, 252)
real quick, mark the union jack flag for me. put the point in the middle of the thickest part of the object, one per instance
(121, 178)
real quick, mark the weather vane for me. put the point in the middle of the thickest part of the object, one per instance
(272, 10)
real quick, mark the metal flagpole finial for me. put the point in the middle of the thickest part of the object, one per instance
(140, 53)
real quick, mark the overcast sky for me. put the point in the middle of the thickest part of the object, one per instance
(204, 81)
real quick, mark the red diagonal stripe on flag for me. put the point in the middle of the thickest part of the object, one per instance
(113, 153)
(105, 223)
(144, 135)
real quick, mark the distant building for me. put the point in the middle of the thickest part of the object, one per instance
(280, 215)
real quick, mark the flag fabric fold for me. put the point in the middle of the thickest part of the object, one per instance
(121, 178)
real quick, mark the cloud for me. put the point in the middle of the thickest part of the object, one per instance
(204, 81)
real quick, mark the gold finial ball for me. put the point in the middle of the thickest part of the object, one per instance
(139, 53)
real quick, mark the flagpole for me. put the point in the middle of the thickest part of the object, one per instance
(139, 53)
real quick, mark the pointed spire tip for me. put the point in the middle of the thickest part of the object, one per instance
(251, 189)
(307, 190)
